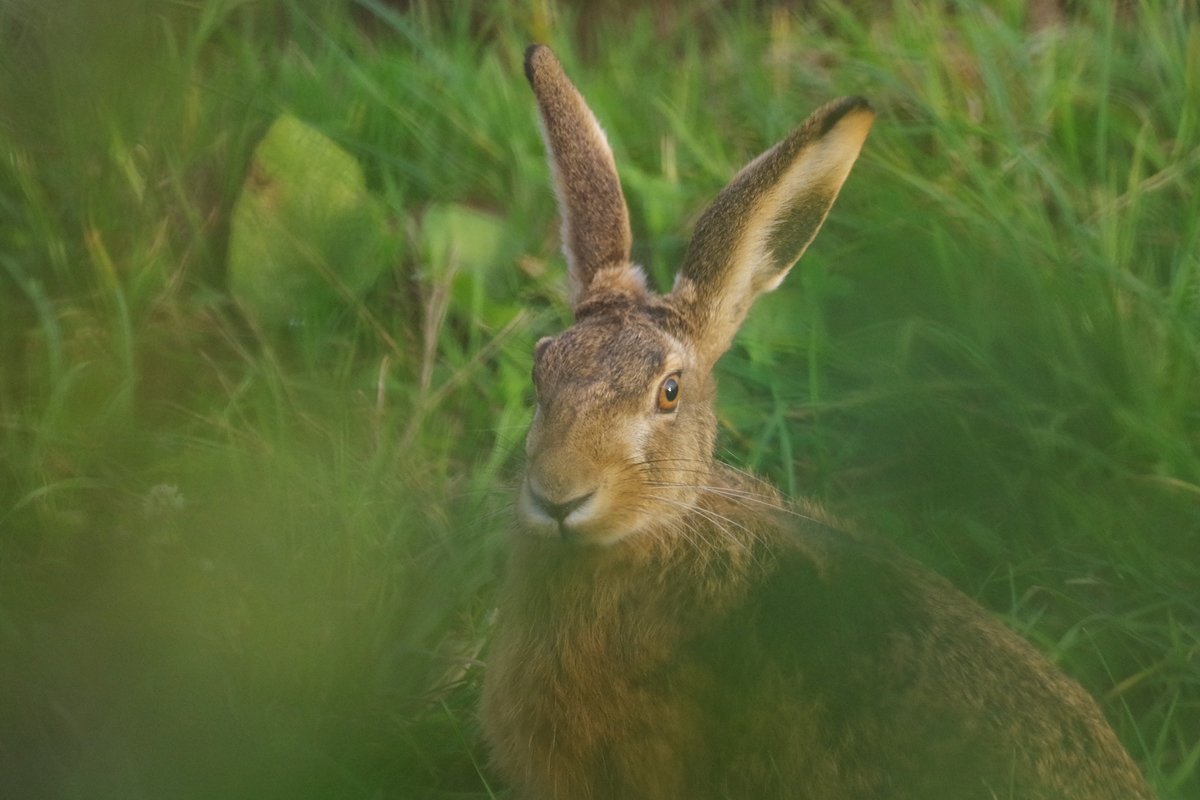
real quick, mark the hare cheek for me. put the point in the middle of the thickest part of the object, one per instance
(640, 441)
(534, 432)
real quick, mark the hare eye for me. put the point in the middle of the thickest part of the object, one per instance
(668, 394)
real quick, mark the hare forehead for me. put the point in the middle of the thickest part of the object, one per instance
(618, 358)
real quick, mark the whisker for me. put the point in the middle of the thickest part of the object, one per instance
(743, 496)
(718, 521)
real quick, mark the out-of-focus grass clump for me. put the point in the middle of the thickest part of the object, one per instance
(242, 557)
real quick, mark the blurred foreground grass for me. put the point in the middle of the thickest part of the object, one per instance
(246, 556)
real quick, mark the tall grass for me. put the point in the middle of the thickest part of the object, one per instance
(236, 561)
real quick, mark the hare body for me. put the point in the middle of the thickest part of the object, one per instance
(670, 627)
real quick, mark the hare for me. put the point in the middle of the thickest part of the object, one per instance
(670, 627)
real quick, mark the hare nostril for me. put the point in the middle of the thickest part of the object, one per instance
(558, 511)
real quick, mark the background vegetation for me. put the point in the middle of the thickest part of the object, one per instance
(247, 553)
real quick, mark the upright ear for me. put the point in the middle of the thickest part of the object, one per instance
(595, 221)
(759, 225)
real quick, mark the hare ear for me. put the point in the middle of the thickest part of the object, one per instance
(759, 225)
(595, 220)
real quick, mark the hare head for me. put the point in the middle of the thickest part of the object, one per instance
(623, 434)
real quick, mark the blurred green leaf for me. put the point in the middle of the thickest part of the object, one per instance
(458, 237)
(471, 250)
(307, 236)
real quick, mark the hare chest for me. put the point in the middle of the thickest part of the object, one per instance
(600, 693)
(583, 725)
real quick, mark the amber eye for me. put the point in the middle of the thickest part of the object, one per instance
(668, 394)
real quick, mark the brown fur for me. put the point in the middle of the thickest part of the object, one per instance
(669, 627)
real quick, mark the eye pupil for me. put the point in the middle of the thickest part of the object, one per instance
(668, 394)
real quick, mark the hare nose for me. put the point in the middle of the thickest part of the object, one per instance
(558, 511)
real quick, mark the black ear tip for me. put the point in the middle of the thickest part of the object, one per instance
(530, 53)
(859, 103)
(841, 108)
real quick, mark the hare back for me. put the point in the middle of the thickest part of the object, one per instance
(807, 663)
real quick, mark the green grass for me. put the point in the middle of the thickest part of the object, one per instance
(238, 561)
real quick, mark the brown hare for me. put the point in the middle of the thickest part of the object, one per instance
(670, 627)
